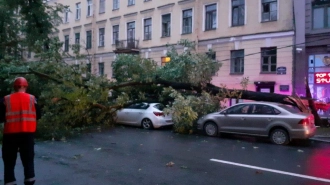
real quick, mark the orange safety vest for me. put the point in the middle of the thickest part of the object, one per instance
(20, 113)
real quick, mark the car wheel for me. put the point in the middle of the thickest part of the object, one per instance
(211, 129)
(279, 137)
(146, 124)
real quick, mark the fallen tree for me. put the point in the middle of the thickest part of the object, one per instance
(293, 100)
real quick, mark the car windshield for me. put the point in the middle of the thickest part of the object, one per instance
(159, 107)
(290, 108)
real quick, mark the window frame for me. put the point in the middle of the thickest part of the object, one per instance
(89, 8)
(115, 4)
(237, 57)
(239, 8)
(78, 11)
(89, 67)
(66, 15)
(102, 6)
(132, 29)
(147, 29)
(89, 44)
(77, 39)
(115, 31)
(269, 2)
(210, 14)
(131, 2)
(269, 56)
(66, 43)
(101, 68)
(326, 16)
(167, 31)
(187, 19)
(101, 37)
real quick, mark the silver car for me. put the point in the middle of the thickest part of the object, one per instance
(146, 115)
(281, 123)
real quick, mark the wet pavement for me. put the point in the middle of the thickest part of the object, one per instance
(126, 155)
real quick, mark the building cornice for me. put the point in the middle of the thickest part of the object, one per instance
(77, 27)
(166, 6)
(66, 29)
(88, 24)
(185, 2)
(101, 21)
(115, 18)
(147, 10)
(131, 14)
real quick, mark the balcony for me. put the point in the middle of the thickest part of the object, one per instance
(127, 46)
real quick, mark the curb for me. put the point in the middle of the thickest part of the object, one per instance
(322, 139)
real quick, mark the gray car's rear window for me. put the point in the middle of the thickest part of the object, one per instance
(289, 108)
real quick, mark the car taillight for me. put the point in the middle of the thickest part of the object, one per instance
(304, 121)
(159, 113)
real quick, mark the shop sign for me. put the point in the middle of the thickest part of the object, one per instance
(322, 78)
(284, 88)
(281, 70)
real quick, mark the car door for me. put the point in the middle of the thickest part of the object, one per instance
(236, 119)
(263, 115)
(131, 113)
(135, 115)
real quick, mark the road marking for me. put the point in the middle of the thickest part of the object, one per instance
(271, 170)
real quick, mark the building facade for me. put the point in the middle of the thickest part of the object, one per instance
(251, 38)
(313, 56)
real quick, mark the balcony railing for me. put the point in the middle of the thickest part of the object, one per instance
(127, 44)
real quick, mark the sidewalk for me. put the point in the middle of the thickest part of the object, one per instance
(322, 134)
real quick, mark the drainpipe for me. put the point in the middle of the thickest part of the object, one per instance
(294, 56)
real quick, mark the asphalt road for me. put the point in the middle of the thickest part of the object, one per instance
(127, 156)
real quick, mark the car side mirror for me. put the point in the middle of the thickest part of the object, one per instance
(224, 113)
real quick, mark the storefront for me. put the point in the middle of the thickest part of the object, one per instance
(319, 78)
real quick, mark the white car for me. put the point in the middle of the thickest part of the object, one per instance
(146, 115)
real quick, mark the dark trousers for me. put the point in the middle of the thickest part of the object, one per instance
(24, 144)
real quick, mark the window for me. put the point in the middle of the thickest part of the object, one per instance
(131, 35)
(166, 25)
(264, 109)
(238, 109)
(77, 41)
(77, 38)
(88, 39)
(89, 7)
(147, 29)
(102, 6)
(115, 4)
(131, 31)
(66, 43)
(237, 61)
(29, 53)
(101, 69)
(238, 12)
(115, 34)
(211, 55)
(268, 60)
(66, 16)
(321, 14)
(211, 17)
(101, 37)
(89, 67)
(78, 11)
(131, 2)
(187, 21)
(165, 60)
(269, 10)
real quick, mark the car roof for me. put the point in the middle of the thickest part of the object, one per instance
(260, 102)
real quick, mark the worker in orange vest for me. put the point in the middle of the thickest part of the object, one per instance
(19, 112)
